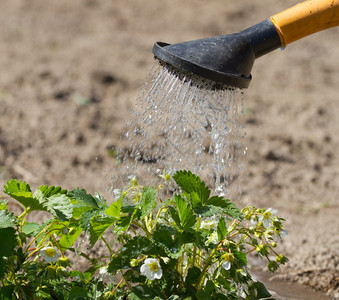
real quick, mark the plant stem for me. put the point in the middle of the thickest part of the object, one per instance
(127, 283)
(107, 245)
(204, 270)
(156, 217)
(195, 246)
(23, 214)
(122, 279)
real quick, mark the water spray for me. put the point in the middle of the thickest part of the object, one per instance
(227, 60)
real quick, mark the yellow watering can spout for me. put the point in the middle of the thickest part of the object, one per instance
(305, 18)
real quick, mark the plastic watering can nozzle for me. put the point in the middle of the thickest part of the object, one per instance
(228, 60)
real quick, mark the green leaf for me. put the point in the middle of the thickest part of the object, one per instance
(30, 228)
(3, 205)
(57, 204)
(6, 219)
(82, 202)
(187, 236)
(114, 209)
(261, 290)
(209, 286)
(81, 196)
(241, 258)
(132, 249)
(79, 293)
(174, 215)
(192, 275)
(125, 221)
(68, 240)
(207, 211)
(145, 292)
(60, 206)
(162, 237)
(192, 184)
(134, 276)
(122, 224)
(148, 201)
(85, 219)
(186, 214)
(6, 292)
(99, 224)
(221, 229)
(272, 266)
(50, 199)
(202, 295)
(228, 207)
(140, 245)
(49, 191)
(8, 241)
(21, 192)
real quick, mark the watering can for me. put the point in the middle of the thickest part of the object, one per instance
(227, 60)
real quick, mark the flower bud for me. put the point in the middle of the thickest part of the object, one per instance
(61, 272)
(64, 261)
(262, 249)
(134, 262)
(50, 272)
(281, 259)
(272, 266)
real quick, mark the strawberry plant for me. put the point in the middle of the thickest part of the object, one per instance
(187, 245)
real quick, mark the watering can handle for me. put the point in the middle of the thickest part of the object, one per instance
(306, 18)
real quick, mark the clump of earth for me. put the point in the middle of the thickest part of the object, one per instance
(71, 72)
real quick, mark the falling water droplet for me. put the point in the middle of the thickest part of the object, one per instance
(177, 118)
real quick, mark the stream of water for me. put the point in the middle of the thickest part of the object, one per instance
(184, 123)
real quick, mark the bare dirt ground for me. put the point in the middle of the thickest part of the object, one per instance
(70, 71)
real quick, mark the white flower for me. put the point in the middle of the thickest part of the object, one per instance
(227, 260)
(209, 224)
(166, 175)
(117, 193)
(151, 269)
(265, 218)
(212, 239)
(226, 265)
(281, 234)
(49, 254)
(133, 179)
(103, 271)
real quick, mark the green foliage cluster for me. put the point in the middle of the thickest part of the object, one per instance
(190, 245)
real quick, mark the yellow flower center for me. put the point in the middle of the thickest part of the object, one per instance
(267, 214)
(50, 252)
(153, 266)
(227, 257)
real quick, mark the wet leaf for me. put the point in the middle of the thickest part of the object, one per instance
(148, 201)
(99, 224)
(114, 209)
(192, 184)
(221, 229)
(227, 206)
(6, 219)
(186, 214)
